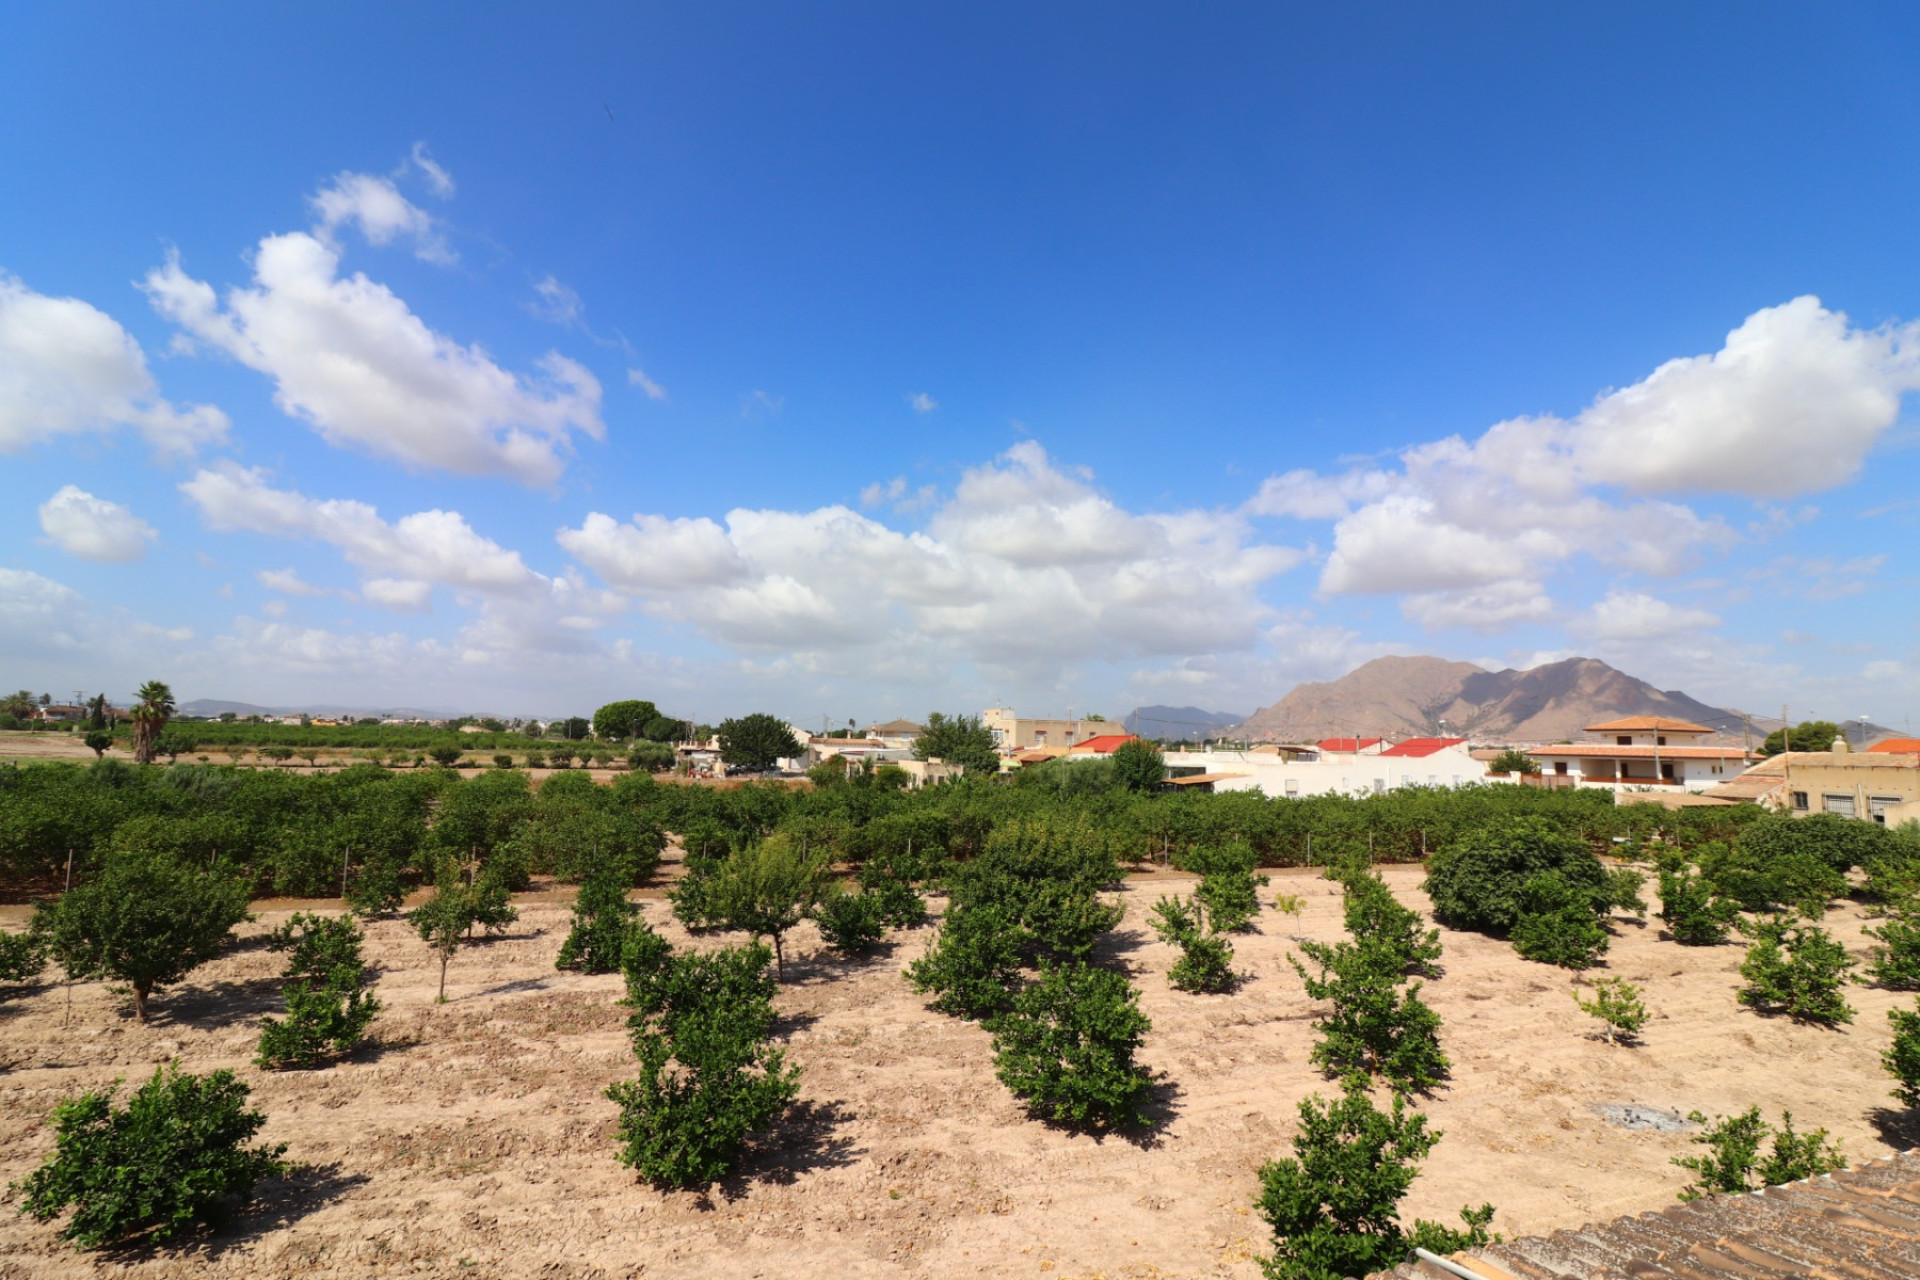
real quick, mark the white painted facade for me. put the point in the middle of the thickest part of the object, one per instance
(1329, 773)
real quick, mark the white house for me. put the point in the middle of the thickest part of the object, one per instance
(1310, 771)
(1643, 751)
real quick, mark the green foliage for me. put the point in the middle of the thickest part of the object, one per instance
(1556, 924)
(1617, 1003)
(602, 917)
(1395, 933)
(1808, 735)
(148, 921)
(22, 956)
(1206, 959)
(151, 712)
(1902, 1057)
(328, 1007)
(1333, 1205)
(172, 1157)
(1799, 970)
(1694, 913)
(459, 903)
(973, 966)
(1477, 881)
(708, 1079)
(958, 740)
(852, 923)
(1514, 761)
(1373, 1026)
(1229, 884)
(756, 741)
(445, 754)
(1732, 1164)
(1779, 862)
(1138, 765)
(618, 721)
(765, 890)
(97, 742)
(1895, 963)
(1066, 1047)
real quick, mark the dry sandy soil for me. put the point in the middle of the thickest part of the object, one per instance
(473, 1138)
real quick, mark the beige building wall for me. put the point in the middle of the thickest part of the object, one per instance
(1883, 787)
(1015, 733)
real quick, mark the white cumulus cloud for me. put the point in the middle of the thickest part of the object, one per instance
(376, 207)
(67, 367)
(349, 357)
(93, 528)
(1635, 615)
(1027, 566)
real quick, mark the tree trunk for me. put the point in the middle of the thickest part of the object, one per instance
(779, 958)
(140, 993)
(442, 998)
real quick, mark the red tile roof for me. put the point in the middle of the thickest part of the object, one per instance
(1898, 746)
(1648, 724)
(1419, 747)
(1347, 744)
(1103, 745)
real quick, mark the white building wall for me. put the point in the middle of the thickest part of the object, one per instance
(1330, 774)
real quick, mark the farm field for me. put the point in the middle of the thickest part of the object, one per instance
(473, 1139)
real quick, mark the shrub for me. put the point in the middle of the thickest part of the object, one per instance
(1476, 882)
(1766, 873)
(1798, 970)
(1231, 898)
(1694, 913)
(1395, 931)
(1373, 1025)
(852, 923)
(445, 920)
(601, 918)
(328, 1008)
(901, 905)
(1334, 1205)
(503, 761)
(173, 1157)
(1067, 1048)
(1556, 924)
(1895, 963)
(1206, 959)
(148, 921)
(1617, 1003)
(973, 965)
(379, 888)
(765, 890)
(1732, 1162)
(22, 956)
(1902, 1057)
(708, 1079)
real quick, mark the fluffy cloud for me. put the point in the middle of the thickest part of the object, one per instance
(348, 356)
(1790, 404)
(1025, 568)
(67, 367)
(288, 583)
(921, 402)
(428, 547)
(382, 214)
(93, 528)
(1634, 615)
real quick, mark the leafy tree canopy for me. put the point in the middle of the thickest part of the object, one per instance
(618, 721)
(1138, 765)
(756, 741)
(960, 740)
(1808, 735)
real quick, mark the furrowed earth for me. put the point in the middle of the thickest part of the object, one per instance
(472, 1137)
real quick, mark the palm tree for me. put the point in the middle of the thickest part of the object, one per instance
(150, 716)
(19, 704)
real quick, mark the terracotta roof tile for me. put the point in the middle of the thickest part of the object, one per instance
(1647, 724)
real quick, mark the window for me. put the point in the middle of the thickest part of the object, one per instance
(1660, 741)
(1800, 801)
(1560, 767)
(1840, 804)
(1624, 740)
(1877, 807)
(1293, 786)
(1379, 786)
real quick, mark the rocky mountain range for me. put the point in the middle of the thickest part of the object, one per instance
(1395, 696)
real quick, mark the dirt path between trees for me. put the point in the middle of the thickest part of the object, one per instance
(473, 1140)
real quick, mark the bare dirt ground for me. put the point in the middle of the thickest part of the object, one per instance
(473, 1138)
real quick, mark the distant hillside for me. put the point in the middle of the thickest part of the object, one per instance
(1183, 724)
(1391, 696)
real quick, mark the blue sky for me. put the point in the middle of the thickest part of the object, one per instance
(854, 360)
